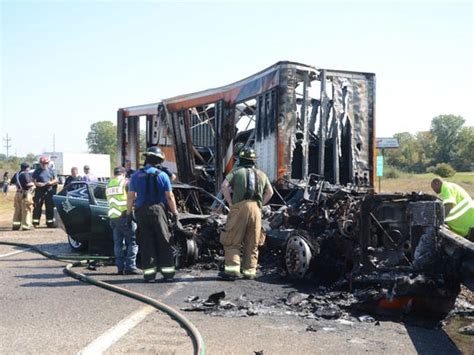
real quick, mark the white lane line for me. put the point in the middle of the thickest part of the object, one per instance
(111, 336)
(14, 253)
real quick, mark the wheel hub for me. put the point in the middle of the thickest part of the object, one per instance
(297, 257)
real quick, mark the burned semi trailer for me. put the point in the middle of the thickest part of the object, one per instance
(300, 119)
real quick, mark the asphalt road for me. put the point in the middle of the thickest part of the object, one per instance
(45, 311)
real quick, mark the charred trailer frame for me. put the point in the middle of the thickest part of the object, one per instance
(301, 120)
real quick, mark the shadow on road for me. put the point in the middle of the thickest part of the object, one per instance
(41, 276)
(431, 341)
(55, 284)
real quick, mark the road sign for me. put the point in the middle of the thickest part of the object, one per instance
(387, 143)
(379, 166)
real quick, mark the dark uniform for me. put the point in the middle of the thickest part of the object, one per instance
(23, 202)
(44, 195)
(129, 173)
(71, 178)
(150, 185)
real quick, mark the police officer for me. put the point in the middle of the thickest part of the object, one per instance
(150, 192)
(73, 177)
(116, 193)
(250, 189)
(45, 181)
(128, 169)
(23, 202)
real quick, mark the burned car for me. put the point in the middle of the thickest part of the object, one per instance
(83, 214)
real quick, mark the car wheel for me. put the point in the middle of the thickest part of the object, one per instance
(75, 244)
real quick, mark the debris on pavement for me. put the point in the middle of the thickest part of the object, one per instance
(366, 319)
(215, 298)
(467, 330)
(340, 238)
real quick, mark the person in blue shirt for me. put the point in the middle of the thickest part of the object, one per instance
(151, 195)
(45, 181)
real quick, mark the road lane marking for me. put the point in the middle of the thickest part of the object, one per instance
(111, 336)
(14, 253)
(114, 334)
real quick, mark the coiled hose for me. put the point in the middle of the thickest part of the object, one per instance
(198, 342)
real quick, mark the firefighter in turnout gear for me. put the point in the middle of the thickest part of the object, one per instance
(151, 194)
(123, 232)
(45, 181)
(23, 203)
(250, 190)
(458, 207)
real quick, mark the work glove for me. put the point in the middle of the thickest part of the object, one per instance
(266, 211)
(129, 220)
(175, 223)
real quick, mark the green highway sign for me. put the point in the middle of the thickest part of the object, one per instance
(379, 166)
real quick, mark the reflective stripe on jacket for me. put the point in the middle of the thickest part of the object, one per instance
(117, 197)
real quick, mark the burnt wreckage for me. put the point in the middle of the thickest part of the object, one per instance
(314, 133)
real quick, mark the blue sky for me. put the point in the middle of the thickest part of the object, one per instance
(66, 65)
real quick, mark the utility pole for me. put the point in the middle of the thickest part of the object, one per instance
(7, 144)
(54, 143)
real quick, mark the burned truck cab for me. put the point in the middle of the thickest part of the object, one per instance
(333, 230)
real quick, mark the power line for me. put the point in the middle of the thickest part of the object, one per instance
(7, 144)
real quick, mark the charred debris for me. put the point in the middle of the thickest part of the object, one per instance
(360, 250)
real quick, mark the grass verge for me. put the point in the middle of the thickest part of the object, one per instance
(422, 182)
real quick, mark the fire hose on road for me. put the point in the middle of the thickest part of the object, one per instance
(76, 261)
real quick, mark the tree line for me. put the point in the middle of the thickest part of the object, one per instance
(102, 139)
(449, 141)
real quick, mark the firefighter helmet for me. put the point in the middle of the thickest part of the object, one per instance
(155, 153)
(44, 160)
(248, 154)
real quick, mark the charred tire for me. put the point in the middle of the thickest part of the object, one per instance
(185, 252)
(75, 244)
(297, 257)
